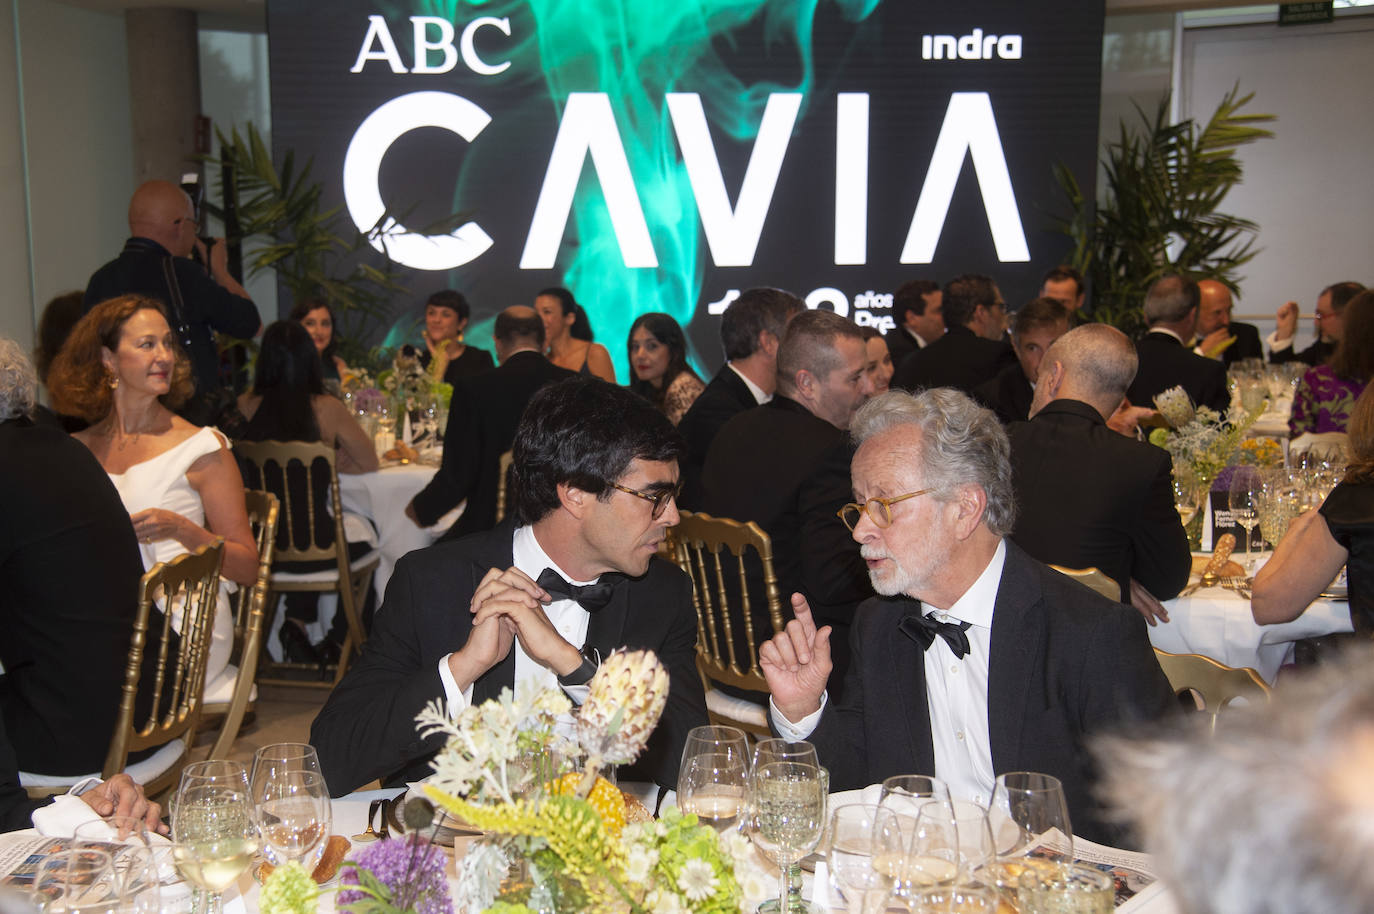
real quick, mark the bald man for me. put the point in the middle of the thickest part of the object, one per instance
(482, 418)
(1090, 497)
(156, 261)
(1219, 337)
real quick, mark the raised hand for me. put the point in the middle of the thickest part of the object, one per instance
(1287, 319)
(796, 663)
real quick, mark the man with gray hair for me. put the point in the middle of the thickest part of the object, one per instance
(785, 465)
(1171, 309)
(1089, 497)
(1269, 814)
(975, 659)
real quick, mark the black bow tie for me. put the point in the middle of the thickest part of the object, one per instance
(923, 629)
(590, 597)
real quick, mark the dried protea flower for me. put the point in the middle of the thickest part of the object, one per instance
(1175, 406)
(624, 702)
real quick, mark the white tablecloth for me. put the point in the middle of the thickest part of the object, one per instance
(382, 497)
(1217, 623)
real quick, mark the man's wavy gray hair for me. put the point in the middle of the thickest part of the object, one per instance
(18, 381)
(1273, 813)
(961, 443)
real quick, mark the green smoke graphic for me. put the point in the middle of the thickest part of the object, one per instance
(636, 51)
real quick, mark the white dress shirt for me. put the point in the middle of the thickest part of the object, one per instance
(569, 618)
(760, 395)
(956, 693)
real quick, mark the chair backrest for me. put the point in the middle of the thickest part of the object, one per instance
(1094, 578)
(729, 631)
(300, 474)
(1215, 684)
(502, 476)
(190, 581)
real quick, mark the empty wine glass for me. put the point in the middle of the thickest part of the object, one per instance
(213, 830)
(1241, 497)
(907, 793)
(859, 836)
(76, 880)
(1029, 816)
(136, 864)
(787, 799)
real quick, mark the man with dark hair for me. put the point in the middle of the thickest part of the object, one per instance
(1219, 337)
(482, 417)
(1330, 306)
(750, 330)
(539, 599)
(972, 350)
(785, 465)
(1033, 329)
(1087, 496)
(1171, 307)
(1064, 284)
(918, 310)
(156, 262)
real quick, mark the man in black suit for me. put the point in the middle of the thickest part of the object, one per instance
(1064, 284)
(972, 350)
(1329, 328)
(750, 330)
(69, 573)
(1219, 337)
(977, 659)
(539, 598)
(918, 308)
(785, 465)
(482, 417)
(1171, 308)
(1087, 496)
(1034, 329)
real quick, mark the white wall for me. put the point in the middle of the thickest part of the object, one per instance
(1309, 187)
(74, 101)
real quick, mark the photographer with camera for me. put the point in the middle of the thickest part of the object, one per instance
(156, 262)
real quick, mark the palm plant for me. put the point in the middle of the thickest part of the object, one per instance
(1165, 184)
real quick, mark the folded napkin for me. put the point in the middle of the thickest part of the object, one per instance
(61, 818)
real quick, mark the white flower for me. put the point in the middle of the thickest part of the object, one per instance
(697, 880)
(662, 901)
(640, 863)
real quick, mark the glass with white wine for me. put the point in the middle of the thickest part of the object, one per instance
(213, 833)
(787, 800)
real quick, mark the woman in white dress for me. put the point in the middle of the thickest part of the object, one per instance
(121, 370)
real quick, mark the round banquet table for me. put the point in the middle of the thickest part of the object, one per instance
(382, 497)
(1217, 623)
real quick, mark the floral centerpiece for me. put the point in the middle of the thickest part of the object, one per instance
(1201, 440)
(411, 385)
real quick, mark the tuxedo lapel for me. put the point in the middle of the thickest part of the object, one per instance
(906, 659)
(606, 628)
(1016, 653)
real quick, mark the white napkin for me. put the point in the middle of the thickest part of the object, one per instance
(61, 818)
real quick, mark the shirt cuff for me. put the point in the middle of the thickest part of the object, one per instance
(1272, 341)
(802, 728)
(457, 698)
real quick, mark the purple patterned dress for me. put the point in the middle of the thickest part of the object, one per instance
(1322, 402)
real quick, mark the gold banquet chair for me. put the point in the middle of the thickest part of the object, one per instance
(699, 542)
(306, 534)
(250, 612)
(503, 483)
(1213, 684)
(173, 714)
(1093, 578)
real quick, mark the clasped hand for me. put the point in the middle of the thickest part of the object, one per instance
(796, 663)
(509, 605)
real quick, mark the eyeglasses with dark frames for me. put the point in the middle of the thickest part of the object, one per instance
(660, 500)
(879, 510)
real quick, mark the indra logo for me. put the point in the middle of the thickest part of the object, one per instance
(973, 46)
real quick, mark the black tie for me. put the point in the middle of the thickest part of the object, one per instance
(924, 629)
(590, 597)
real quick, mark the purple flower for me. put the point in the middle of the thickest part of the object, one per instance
(411, 868)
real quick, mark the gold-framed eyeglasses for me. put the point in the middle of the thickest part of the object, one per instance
(879, 510)
(659, 499)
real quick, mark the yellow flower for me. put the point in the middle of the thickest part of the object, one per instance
(605, 798)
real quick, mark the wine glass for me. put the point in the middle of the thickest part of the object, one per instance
(293, 815)
(713, 786)
(1029, 819)
(1187, 496)
(782, 750)
(136, 864)
(1245, 485)
(907, 793)
(213, 833)
(859, 836)
(79, 879)
(787, 799)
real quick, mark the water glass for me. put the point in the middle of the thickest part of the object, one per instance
(862, 839)
(1066, 888)
(788, 803)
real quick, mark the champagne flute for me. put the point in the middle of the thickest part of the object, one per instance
(212, 829)
(782, 750)
(788, 802)
(1241, 502)
(858, 836)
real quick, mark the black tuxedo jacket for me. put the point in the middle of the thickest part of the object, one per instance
(69, 573)
(1319, 353)
(1087, 496)
(366, 729)
(724, 398)
(1246, 346)
(1165, 363)
(900, 344)
(960, 358)
(1065, 663)
(1009, 394)
(482, 417)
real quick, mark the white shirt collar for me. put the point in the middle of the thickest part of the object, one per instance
(920, 340)
(975, 606)
(530, 557)
(760, 395)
